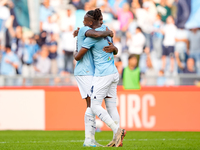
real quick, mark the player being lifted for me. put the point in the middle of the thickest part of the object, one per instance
(105, 80)
(84, 72)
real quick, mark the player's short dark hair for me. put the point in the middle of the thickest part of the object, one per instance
(95, 14)
(139, 29)
(132, 56)
(90, 13)
(8, 46)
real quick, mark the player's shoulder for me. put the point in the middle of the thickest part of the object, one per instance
(102, 28)
(84, 29)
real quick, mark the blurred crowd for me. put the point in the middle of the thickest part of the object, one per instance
(145, 28)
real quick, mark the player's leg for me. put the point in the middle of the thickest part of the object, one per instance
(89, 122)
(112, 109)
(110, 101)
(90, 126)
(100, 86)
(103, 114)
(84, 84)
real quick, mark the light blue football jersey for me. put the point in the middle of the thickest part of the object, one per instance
(85, 66)
(104, 62)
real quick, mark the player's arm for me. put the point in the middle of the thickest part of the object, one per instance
(97, 34)
(80, 54)
(111, 48)
(88, 43)
(75, 33)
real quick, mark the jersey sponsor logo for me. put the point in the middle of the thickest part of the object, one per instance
(110, 58)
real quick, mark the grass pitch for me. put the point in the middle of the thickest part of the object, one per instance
(73, 140)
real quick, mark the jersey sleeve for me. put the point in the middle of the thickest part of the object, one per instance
(89, 42)
(83, 30)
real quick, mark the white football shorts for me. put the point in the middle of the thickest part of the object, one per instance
(104, 86)
(84, 85)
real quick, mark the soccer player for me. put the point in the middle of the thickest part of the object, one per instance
(105, 80)
(84, 72)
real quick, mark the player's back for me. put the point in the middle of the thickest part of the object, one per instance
(85, 66)
(104, 62)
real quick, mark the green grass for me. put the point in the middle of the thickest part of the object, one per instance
(73, 140)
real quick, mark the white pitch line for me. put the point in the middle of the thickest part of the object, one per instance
(76, 141)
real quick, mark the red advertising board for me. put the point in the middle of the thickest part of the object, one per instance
(148, 109)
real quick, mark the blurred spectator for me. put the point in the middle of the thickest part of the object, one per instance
(16, 34)
(41, 38)
(116, 5)
(181, 47)
(50, 25)
(125, 17)
(4, 15)
(10, 4)
(52, 46)
(117, 43)
(4, 11)
(194, 48)
(29, 50)
(9, 62)
(45, 11)
(150, 73)
(163, 8)
(119, 65)
(131, 74)
(1, 53)
(183, 12)
(118, 61)
(79, 15)
(105, 9)
(68, 20)
(14, 21)
(136, 43)
(169, 31)
(145, 20)
(77, 3)
(190, 66)
(136, 4)
(157, 36)
(43, 64)
(194, 19)
(151, 7)
(56, 3)
(161, 80)
(68, 47)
